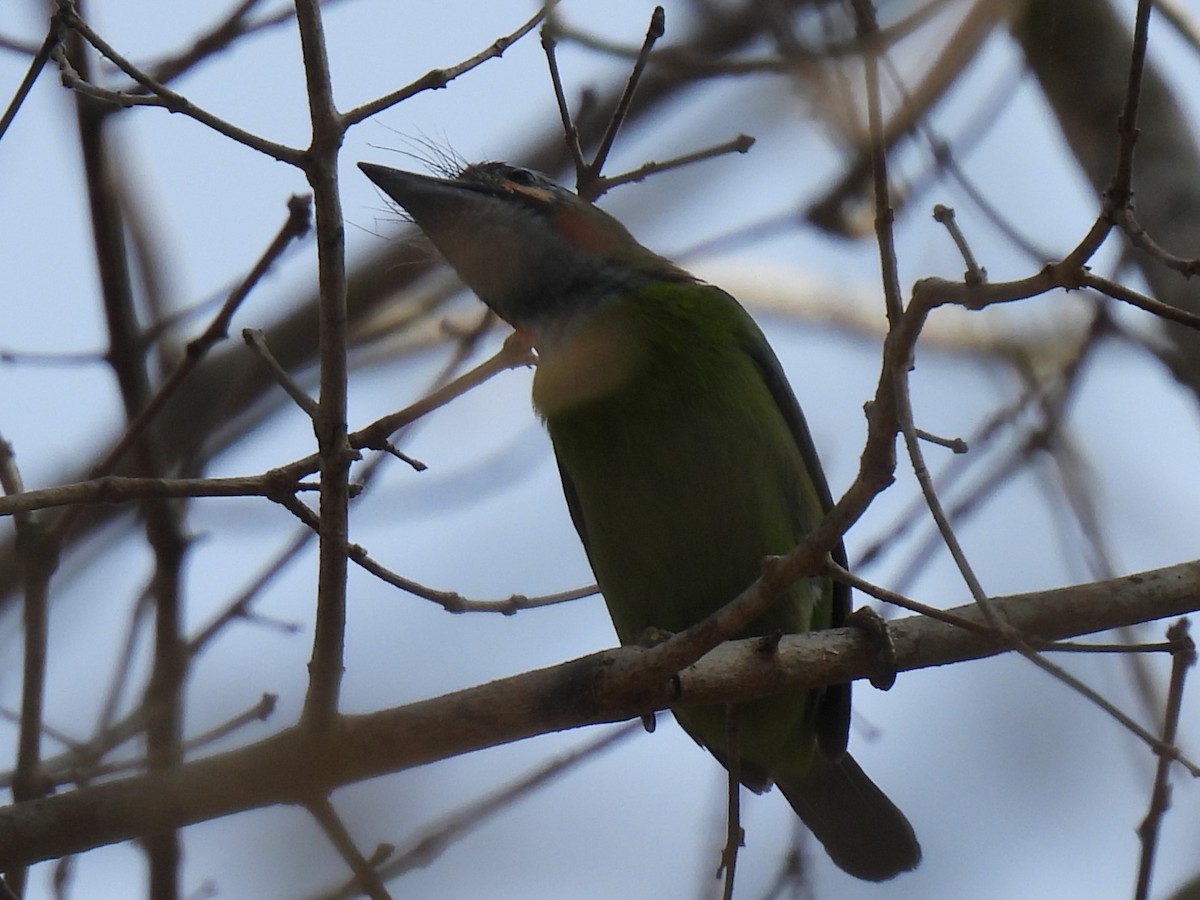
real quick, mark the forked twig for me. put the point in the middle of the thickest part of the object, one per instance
(1184, 657)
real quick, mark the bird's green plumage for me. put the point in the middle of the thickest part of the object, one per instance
(681, 477)
(685, 460)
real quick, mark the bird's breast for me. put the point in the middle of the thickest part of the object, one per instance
(586, 362)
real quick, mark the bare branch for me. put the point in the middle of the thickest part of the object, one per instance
(257, 341)
(570, 132)
(160, 94)
(218, 329)
(122, 489)
(610, 686)
(1184, 653)
(364, 872)
(35, 68)
(657, 28)
(740, 144)
(436, 79)
(430, 844)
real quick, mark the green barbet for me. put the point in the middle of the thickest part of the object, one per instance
(685, 460)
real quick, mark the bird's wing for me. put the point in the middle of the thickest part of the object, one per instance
(833, 708)
(572, 497)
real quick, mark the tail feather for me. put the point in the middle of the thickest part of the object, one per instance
(861, 829)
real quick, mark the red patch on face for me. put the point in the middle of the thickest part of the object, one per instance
(583, 231)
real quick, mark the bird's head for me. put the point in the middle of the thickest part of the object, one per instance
(533, 251)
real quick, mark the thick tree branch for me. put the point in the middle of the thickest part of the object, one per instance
(609, 686)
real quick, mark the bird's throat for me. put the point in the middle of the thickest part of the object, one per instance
(586, 362)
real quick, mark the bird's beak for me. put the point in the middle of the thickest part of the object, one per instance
(430, 201)
(481, 233)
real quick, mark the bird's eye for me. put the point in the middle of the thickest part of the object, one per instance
(522, 176)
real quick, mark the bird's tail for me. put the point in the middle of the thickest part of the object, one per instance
(861, 829)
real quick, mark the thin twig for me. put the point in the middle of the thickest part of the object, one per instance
(55, 734)
(276, 482)
(451, 601)
(220, 36)
(656, 29)
(52, 358)
(1070, 269)
(933, 501)
(945, 215)
(429, 844)
(259, 712)
(39, 559)
(1138, 236)
(218, 329)
(211, 42)
(1160, 794)
(515, 351)
(119, 679)
(887, 596)
(1083, 647)
(985, 435)
(257, 342)
(1050, 394)
(160, 94)
(1120, 193)
(735, 835)
(79, 766)
(866, 29)
(740, 144)
(945, 161)
(238, 608)
(122, 489)
(1070, 273)
(439, 78)
(954, 445)
(35, 68)
(1014, 637)
(570, 132)
(513, 354)
(958, 51)
(78, 763)
(1141, 301)
(364, 872)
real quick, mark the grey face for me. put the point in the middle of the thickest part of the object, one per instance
(532, 251)
(493, 244)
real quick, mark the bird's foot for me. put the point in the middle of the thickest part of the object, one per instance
(652, 636)
(769, 643)
(876, 629)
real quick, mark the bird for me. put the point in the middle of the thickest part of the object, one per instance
(685, 460)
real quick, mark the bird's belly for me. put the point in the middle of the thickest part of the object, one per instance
(678, 522)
